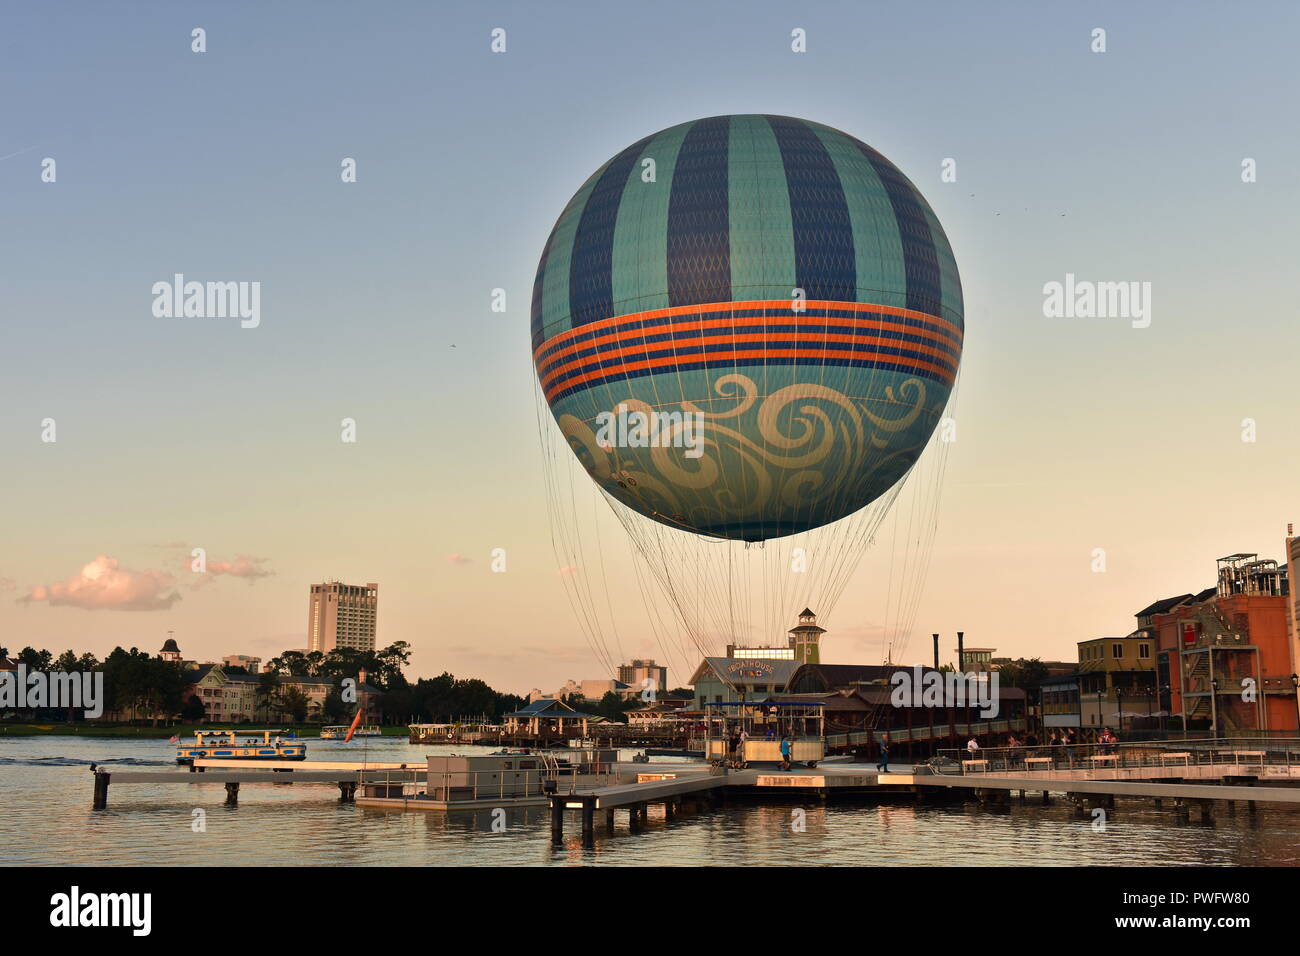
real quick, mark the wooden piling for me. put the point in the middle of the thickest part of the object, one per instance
(557, 819)
(232, 794)
(101, 790)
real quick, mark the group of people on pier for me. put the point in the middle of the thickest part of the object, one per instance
(1102, 742)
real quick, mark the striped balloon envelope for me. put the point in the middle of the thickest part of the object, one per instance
(747, 326)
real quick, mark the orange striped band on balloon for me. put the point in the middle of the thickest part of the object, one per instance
(709, 335)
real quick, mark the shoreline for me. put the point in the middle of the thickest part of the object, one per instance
(159, 733)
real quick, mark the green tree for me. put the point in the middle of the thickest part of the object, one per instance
(34, 659)
(267, 694)
(294, 703)
(192, 711)
(613, 707)
(335, 710)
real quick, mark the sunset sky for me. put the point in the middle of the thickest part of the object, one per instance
(177, 433)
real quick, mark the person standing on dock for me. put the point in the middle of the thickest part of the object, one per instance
(785, 752)
(972, 749)
(883, 763)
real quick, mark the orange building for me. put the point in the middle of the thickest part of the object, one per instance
(1224, 656)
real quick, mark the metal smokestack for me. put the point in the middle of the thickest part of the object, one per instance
(961, 657)
(936, 652)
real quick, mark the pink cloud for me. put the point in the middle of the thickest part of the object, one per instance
(104, 585)
(568, 571)
(248, 568)
(459, 559)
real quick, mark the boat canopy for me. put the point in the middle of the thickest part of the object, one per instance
(241, 732)
(763, 703)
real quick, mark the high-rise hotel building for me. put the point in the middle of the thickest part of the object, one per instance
(342, 615)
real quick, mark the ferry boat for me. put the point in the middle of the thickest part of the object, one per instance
(240, 745)
(340, 732)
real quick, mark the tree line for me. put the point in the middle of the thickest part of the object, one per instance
(137, 683)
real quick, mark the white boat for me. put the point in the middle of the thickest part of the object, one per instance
(340, 731)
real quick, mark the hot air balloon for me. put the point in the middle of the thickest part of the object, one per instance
(746, 328)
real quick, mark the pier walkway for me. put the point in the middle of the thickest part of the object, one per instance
(1183, 773)
(345, 779)
(1186, 773)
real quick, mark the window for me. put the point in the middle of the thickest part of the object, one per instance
(1144, 651)
(1117, 651)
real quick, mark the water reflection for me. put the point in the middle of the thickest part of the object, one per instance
(46, 790)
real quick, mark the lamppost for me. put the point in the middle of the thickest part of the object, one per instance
(1214, 708)
(1295, 682)
(1101, 716)
(1119, 705)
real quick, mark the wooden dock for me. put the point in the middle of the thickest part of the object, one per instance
(1084, 789)
(1246, 776)
(1043, 783)
(344, 779)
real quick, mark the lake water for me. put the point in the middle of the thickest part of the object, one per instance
(46, 789)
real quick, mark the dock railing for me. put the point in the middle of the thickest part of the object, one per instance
(1170, 758)
(470, 785)
(923, 732)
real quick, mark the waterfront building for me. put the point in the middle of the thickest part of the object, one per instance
(549, 716)
(822, 678)
(342, 616)
(170, 651)
(638, 672)
(1224, 657)
(592, 690)
(227, 698)
(719, 679)
(663, 713)
(975, 660)
(1116, 680)
(251, 664)
(753, 672)
(1060, 701)
(233, 697)
(802, 644)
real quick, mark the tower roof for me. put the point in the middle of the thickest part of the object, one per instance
(170, 645)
